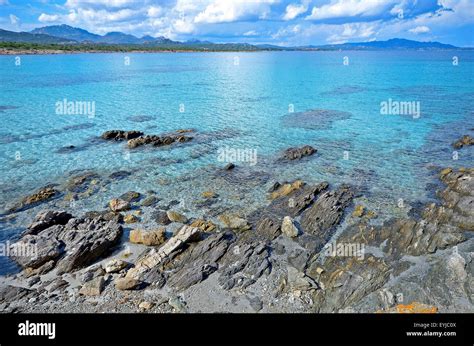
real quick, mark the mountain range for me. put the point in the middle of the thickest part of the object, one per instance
(68, 35)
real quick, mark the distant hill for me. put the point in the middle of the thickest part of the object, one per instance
(68, 35)
(11, 36)
(394, 43)
(67, 32)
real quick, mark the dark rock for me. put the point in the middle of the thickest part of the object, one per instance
(131, 196)
(161, 217)
(229, 166)
(119, 175)
(48, 218)
(299, 259)
(298, 153)
(268, 228)
(198, 262)
(465, 140)
(119, 135)
(44, 194)
(243, 264)
(82, 182)
(150, 201)
(327, 212)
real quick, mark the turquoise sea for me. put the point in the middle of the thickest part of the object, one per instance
(265, 101)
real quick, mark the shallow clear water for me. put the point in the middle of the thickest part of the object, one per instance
(242, 106)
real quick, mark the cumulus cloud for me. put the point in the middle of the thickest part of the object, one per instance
(294, 10)
(14, 20)
(48, 18)
(354, 31)
(232, 10)
(423, 29)
(350, 8)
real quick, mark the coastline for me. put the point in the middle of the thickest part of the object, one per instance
(274, 260)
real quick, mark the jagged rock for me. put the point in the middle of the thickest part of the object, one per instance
(78, 243)
(117, 205)
(243, 264)
(48, 218)
(43, 195)
(345, 281)
(157, 141)
(327, 212)
(174, 216)
(32, 251)
(149, 238)
(86, 240)
(268, 228)
(286, 189)
(161, 217)
(156, 256)
(131, 196)
(197, 263)
(10, 293)
(289, 228)
(299, 259)
(298, 153)
(93, 287)
(120, 135)
(298, 281)
(115, 265)
(465, 140)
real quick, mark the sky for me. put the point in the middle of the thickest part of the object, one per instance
(281, 22)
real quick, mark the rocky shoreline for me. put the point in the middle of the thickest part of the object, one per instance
(311, 248)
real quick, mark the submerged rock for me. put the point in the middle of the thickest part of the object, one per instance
(44, 194)
(117, 205)
(465, 140)
(119, 135)
(298, 153)
(174, 216)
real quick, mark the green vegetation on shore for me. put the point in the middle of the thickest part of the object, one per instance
(89, 47)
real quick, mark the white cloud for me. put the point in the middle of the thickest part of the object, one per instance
(48, 18)
(14, 20)
(423, 29)
(99, 3)
(154, 11)
(358, 31)
(232, 10)
(250, 33)
(349, 8)
(294, 10)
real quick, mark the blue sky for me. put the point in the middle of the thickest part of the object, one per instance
(282, 22)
